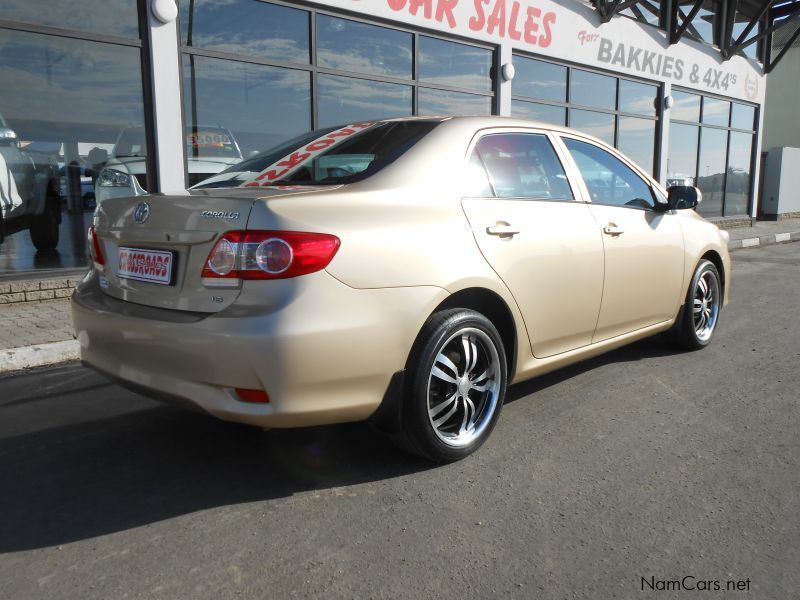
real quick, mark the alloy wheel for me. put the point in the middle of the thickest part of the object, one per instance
(463, 387)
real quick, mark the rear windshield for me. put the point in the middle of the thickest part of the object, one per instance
(326, 156)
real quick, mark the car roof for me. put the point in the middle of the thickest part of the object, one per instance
(476, 123)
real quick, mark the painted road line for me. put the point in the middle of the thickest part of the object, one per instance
(750, 242)
(783, 237)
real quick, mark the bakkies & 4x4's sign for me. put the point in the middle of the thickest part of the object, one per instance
(571, 30)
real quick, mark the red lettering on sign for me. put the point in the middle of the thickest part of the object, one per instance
(445, 9)
(513, 32)
(531, 24)
(341, 133)
(320, 144)
(397, 4)
(414, 6)
(549, 19)
(294, 159)
(477, 22)
(497, 20)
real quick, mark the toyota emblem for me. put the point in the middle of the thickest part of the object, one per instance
(142, 212)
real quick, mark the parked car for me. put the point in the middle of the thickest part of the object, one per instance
(209, 150)
(28, 193)
(400, 271)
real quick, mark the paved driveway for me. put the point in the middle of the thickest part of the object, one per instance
(636, 469)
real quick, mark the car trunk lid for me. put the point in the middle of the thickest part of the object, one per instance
(155, 247)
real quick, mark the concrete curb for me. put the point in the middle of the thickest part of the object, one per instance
(40, 355)
(764, 240)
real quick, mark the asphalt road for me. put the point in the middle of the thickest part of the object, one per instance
(645, 465)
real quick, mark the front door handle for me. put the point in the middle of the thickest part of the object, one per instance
(613, 229)
(502, 230)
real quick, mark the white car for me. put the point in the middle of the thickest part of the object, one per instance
(209, 150)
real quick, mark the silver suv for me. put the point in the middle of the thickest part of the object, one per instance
(28, 192)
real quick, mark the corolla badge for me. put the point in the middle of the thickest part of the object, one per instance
(218, 214)
(142, 212)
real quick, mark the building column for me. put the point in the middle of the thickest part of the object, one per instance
(165, 71)
(663, 136)
(504, 87)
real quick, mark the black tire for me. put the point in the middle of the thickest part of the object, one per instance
(695, 330)
(45, 227)
(469, 406)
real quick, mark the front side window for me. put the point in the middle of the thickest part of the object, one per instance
(523, 165)
(608, 179)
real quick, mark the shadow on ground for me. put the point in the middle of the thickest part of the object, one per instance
(83, 476)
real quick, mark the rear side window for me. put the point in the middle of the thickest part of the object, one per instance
(523, 165)
(608, 179)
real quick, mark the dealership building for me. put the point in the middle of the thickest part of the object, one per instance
(677, 85)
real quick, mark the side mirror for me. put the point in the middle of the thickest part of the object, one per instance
(8, 137)
(684, 196)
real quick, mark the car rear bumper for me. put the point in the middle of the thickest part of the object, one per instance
(326, 355)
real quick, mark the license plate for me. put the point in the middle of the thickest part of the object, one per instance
(154, 266)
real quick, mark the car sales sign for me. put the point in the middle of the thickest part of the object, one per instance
(571, 30)
(154, 266)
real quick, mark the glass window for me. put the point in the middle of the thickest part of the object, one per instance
(711, 176)
(682, 159)
(685, 107)
(105, 17)
(546, 113)
(477, 184)
(539, 79)
(716, 112)
(345, 99)
(259, 105)
(351, 46)
(328, 157)
(454, 64)
(636, 139)
(638, 98)
(247, 27)
(593, 89)
(608, 179)
(737, 187)
(67, 100)
(600, 125)
(441, 102)
(523, 165)
(743, 116)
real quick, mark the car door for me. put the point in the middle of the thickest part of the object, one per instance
(541, 241)
(643, 248)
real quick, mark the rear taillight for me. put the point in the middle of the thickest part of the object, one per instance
(94, 247)
(269, 254)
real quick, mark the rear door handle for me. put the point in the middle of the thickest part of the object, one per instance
(613, 229)
(502, 230)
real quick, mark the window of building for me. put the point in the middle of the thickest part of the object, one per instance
(711, 146)
(72, 84)
(621, 112)
(268, 72)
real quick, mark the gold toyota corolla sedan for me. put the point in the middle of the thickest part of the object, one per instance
(401, 271)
